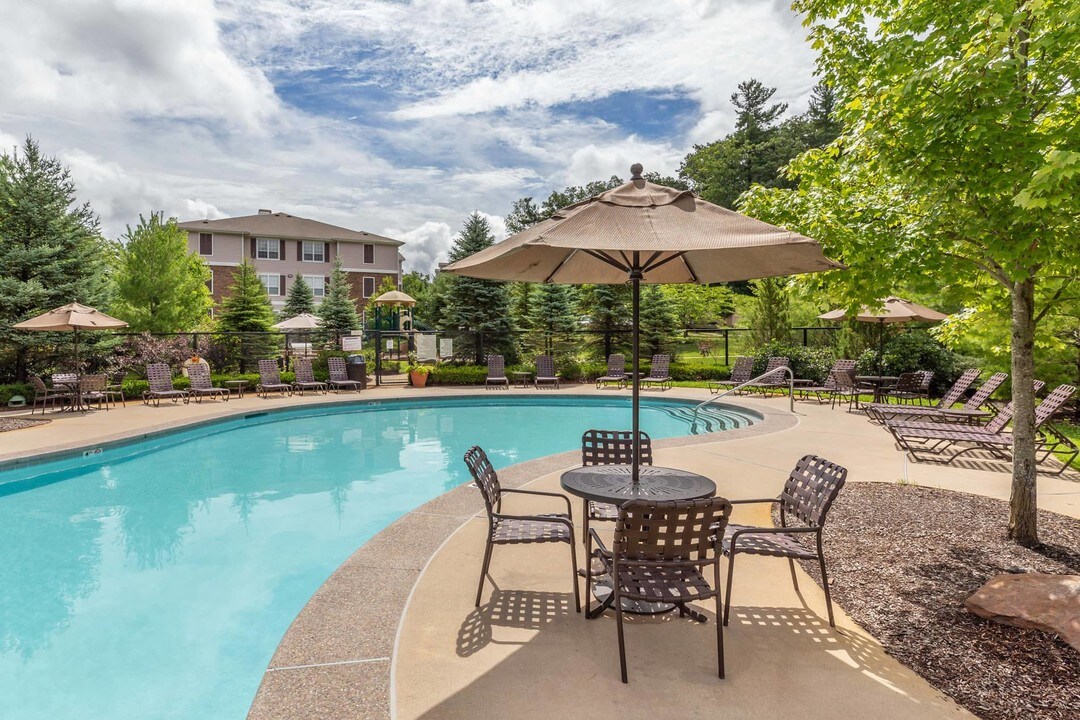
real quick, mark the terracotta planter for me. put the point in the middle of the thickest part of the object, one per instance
(418, 379)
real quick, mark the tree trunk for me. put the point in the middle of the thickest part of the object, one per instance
(20, 364)
(1023, 502)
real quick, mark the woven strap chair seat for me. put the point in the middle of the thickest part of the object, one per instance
(603, 511)
(671, 584)
(512, 531)
(772, 544)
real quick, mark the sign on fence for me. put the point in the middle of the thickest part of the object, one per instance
(350, 343)
(446, 347)
(425, 348)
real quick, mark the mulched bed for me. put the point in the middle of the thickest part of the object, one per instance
(19, 423)
(901, 561)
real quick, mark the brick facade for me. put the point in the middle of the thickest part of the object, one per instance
(223, 280)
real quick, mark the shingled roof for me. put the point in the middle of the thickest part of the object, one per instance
(283, 225)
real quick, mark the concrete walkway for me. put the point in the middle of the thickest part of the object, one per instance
(525, 653)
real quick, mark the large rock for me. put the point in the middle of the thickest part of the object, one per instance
(1032, 600)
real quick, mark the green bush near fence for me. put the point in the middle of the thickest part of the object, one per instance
(446, 374)
(9, 391)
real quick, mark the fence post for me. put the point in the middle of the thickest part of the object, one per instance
(478, 335)
(378, 356)
(607, 343)
(726, 360)
(194, 341)
(804, 343)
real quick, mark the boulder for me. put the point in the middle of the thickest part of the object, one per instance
(1032, 600)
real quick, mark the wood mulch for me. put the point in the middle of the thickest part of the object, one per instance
(902, 559)
(19, 423)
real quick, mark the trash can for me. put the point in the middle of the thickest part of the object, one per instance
(356, 369)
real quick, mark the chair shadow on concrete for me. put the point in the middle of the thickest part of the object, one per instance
(517, 609)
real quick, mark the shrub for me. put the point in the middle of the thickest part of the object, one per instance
(911, 351)
(9, 391)
(446, 374)
(805, 362)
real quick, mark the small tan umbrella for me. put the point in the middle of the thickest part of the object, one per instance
(650, 233)
(71, 318)
(303, 321)
(892, 310)
(395, 297)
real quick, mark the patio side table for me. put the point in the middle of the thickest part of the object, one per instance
(521, 378)
(237, 385)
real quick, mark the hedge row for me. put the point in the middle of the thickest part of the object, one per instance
(476, 374)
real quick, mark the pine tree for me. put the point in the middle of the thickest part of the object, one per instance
(300, 299)
(657, 320)
(770, 310)
(552, 311)
(472, 304)
(160, 286)
(247, 309)
(51, 251)
(338, 311)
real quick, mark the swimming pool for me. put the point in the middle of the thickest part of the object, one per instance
(155, 579)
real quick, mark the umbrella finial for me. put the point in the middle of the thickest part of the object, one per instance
(635, 171)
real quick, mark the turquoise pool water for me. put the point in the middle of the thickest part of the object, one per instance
(155, 580)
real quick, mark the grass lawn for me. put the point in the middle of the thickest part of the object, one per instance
(1073, 433)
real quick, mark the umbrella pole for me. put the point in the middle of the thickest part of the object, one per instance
(635, 284)
(881, 347)
(78, 374)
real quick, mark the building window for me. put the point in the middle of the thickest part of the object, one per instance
(369, 253)
(267, 249)
(206, 243)
(272, 283)
(369, 286)
(314, 252)
(317, 283)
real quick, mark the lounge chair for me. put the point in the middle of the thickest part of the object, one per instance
(305, 378)
(824, 391)
(608, 447)
(774, 376)
(44, 395)
(496, 372)
(996, 425)
(938, 439)
(881, 411)
(505, 529)
(660, 554)
(659, 372)
(270, 380)
(616, 372)
(807, 496)
(339, 378)
(159, 377)
(741, 371)
(201, 385)
(545, 372)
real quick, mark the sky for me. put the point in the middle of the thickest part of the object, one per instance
(389, 116)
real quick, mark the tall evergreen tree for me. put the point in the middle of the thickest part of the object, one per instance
(552, 310)
(472, 304)
(247, 309)
(338, 311)
(770, 310)
(300, 299)
(657, 320)
(160, 286)
(51, 251)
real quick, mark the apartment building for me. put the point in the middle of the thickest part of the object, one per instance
(284, 247)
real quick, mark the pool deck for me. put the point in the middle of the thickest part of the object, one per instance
(393, 632)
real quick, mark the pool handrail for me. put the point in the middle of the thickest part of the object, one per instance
(751, 381)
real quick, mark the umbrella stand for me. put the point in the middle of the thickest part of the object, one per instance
(635, 284)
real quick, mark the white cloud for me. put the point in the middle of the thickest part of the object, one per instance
(373, 114)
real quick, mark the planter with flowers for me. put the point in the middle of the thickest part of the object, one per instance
(418, 374)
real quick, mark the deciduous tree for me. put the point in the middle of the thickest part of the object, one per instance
(959, 158)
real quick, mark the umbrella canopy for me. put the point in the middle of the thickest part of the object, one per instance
(892, 310)
(71, 317)
(644, 232)
(303, 321)
(395, 297)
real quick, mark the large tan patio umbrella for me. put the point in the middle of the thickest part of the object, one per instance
(303, 321)
(892, 310)
(71, 318)
(644, 232)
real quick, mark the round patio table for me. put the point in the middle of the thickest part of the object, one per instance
(611, 484)
(878, 381)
